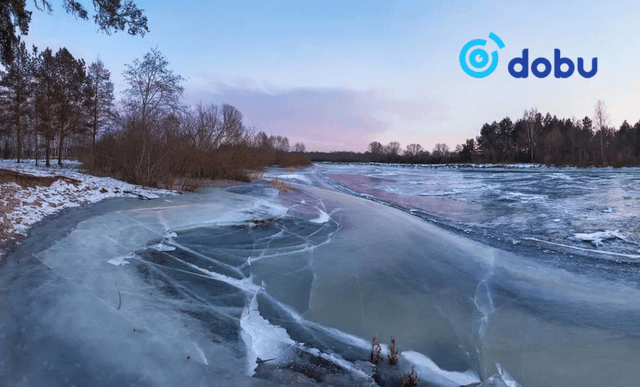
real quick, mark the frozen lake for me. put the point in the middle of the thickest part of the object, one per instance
(535, 269)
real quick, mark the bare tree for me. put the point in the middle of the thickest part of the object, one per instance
(153, 88)
(601, 119)
(392, 148)
(532, 127)
(375, 148)
(299, 147)
(280, 143)
(413, 150)
(262, 140)
(200, 124)
(232, 130)
(441, 149)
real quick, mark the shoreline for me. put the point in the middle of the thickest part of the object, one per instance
(524, 166)
(35, 193)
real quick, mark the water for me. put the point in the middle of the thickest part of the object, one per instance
(249, 286)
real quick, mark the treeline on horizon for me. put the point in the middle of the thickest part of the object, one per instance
(52, 105)
(534, 138)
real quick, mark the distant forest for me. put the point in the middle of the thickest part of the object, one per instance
(534, 138)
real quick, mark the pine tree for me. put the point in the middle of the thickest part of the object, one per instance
(99, 101)
(15, 90)
(69, 96)
(45, 77)
(110, 16)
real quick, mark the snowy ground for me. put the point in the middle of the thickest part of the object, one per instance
(22, 206)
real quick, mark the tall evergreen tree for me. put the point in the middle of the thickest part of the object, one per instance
(45, 76)
(69, 96)
(15, 90)
(99, 101)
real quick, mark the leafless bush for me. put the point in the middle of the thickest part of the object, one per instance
(376, 351)
(410, 380)
(184, 149)
(393, 352)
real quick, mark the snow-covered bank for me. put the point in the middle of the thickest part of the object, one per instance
(22, 205)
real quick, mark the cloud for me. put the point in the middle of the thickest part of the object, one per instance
(323, 118)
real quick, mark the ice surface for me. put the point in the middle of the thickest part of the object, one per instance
(500, 379)
(224, 284)
(263, 340)
(502, 202)
(119, 261)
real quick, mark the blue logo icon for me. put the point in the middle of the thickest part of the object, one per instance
(475, 61)
(479, 58)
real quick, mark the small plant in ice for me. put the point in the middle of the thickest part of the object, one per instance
(393, 352)
(280, 185)
(411, 379)
(376, 351)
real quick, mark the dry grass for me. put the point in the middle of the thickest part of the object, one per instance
(410, 380)
(393, 353)
(376, 351)
(280, 185)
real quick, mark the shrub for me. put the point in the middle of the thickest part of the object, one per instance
(160, 154)
(411, 379)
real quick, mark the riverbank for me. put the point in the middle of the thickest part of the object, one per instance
(29, 193)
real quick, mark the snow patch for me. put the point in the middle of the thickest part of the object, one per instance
(161, 247)
(263, 340)
(32, 204)
(121, 261)
(294, 176)
(597, 238)
(426, 366)
(323, 217)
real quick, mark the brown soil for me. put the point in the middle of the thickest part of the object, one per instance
(9, 203)
(25, 180)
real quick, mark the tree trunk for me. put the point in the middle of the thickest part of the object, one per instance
(531, 148)
(48, 156)
(60, 144)
(19, 137)
(35, 137)
(602, 145)
(95, 127)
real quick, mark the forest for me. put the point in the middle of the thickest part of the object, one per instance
(534, 138)
(55, 106)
